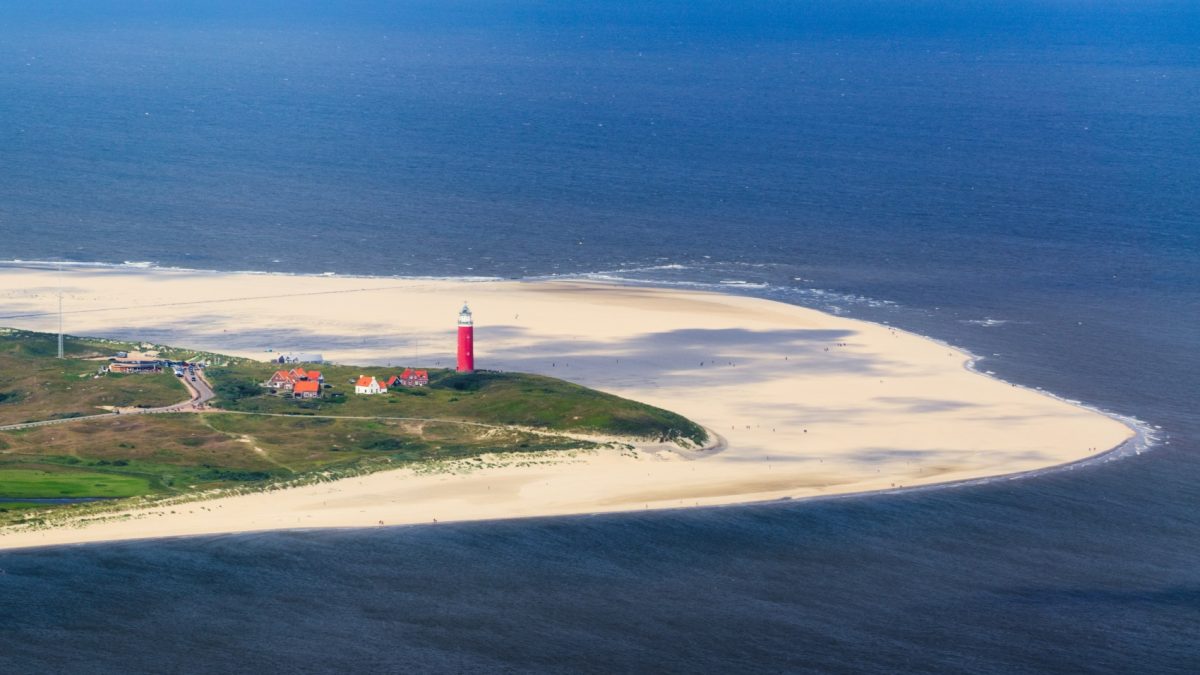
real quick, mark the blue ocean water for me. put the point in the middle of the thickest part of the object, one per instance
(1018, 178)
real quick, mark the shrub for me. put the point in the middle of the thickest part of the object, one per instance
(233, 389)
(213, 474)
(384, 445)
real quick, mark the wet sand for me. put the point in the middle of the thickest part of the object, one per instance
(806, 403)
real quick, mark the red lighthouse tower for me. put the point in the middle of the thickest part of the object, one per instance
(466, 341)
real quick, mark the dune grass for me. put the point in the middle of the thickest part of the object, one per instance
(459, 416)
(518, 399)
(36, 385)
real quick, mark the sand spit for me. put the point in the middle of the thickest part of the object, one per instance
(807, 403)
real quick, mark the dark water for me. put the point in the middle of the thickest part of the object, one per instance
(1019, 178)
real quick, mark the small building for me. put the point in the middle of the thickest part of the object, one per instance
(135, 366)
(409, 378)
(281, 380)
(414, 378)
(299, 358)
(369, 385)
(302, 375)
(307, 389)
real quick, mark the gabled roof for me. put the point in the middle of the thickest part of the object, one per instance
(392, 380)
(364, 381)
(307, 387)
(282, 374)
(424, 374)
(314, 374)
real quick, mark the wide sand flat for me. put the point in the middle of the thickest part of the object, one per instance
(806, 403)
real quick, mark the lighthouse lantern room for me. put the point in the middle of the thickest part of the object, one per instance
(466, 341)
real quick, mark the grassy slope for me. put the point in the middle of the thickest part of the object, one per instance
(493, 398)
(180, 453)
(172, 454)
(35, 385)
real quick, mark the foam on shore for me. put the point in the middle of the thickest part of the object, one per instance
(809, 404)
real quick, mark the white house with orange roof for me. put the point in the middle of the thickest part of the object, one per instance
(368, 385)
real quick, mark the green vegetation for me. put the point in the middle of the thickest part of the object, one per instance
(42, 484)
(456, 417)
(308, 444)
(36, 385)
(516, 399)
(10, 507)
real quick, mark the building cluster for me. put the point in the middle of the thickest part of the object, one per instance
(297, 382)
(124, 363)
(301, 383)
(367, 384)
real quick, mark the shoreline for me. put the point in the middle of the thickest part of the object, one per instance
(1103, 456)
(1002, 427)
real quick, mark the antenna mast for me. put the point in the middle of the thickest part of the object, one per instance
(60, 313)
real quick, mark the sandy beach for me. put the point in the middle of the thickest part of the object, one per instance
(806, 403)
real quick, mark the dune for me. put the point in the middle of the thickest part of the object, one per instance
(804, 403)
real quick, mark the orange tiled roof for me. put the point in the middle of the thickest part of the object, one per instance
(308, 387)
(364, 381)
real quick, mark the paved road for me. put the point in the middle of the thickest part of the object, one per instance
(200, 389)
(200, 394)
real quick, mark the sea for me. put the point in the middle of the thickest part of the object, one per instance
(1020, 178)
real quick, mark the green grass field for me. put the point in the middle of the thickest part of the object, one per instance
(176, 454)
(16, 484)
(461, 416)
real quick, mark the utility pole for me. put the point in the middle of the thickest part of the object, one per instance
(60, 313)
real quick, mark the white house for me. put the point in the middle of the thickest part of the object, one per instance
(368, 385)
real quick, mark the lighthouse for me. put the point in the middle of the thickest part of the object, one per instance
(466, 341)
